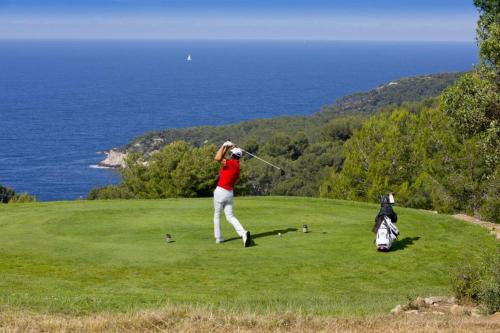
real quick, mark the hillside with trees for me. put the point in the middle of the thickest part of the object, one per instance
(434, 140)
(306, 147)
(396, 93)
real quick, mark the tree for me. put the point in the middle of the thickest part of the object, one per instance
(341, 128)
(471, 104)
(178, 170)
(474, 101)
(488, 32)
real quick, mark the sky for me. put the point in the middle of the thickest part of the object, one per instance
(371, 20)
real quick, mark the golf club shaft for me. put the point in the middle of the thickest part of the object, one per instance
(260, 159)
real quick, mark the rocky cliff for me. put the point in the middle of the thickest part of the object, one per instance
(114, 159)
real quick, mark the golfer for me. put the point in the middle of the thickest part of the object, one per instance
(223, 194)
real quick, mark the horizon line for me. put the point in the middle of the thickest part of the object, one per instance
(227, 39)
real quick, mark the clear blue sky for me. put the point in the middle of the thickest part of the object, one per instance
(406, 20)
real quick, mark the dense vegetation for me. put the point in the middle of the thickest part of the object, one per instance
(307, 147)
(420, 156)
(444, 157)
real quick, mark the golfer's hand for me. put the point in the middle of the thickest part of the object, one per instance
(228, 144)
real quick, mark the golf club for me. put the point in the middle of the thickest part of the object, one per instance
(260, 159)
(282, 172)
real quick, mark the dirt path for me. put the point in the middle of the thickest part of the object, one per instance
(492, 227)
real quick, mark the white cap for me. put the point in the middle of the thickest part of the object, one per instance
(236, 152)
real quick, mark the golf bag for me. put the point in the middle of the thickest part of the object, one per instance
(384, 228)
(386, 234)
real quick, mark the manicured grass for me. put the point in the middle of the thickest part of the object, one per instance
(83, 257)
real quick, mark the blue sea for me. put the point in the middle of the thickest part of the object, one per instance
(62, 102)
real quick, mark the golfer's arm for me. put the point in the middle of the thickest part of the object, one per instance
(219, 157)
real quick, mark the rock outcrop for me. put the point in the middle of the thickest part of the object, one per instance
(436, 305)
(114, 159)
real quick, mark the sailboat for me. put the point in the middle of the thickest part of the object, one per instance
(188, 58)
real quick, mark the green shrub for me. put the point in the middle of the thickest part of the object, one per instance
(479, 281)
(465, 283)
(110, 192)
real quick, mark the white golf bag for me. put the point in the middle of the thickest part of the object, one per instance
(386, 234)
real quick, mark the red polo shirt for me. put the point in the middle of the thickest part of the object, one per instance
(228, 174)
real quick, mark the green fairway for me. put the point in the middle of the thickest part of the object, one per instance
(91, 256)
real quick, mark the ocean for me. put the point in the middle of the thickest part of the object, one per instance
(63, 102)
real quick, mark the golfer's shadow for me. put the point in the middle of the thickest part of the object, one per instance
(265, 234)
(404, 243)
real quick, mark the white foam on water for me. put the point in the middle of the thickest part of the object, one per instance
(96, 166)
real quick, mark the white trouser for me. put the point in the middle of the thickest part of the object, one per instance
(223, 199)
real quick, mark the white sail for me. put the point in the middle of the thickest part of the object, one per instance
(188, 58)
